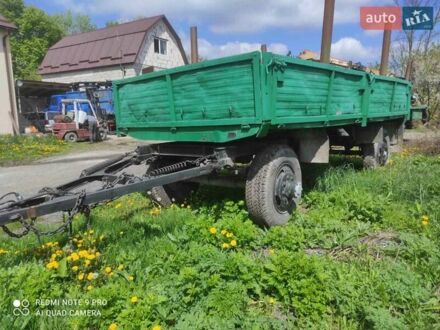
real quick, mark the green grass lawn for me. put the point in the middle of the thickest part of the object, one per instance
(23, 149)
(362, 252)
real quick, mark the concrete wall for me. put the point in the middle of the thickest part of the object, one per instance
(7, 92)
(146, 57)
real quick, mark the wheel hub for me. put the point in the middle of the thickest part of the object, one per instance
(285, 189)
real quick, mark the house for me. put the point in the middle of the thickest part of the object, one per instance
(8, 112)
(115, 52)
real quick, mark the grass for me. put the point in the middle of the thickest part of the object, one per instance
(361, 253)
(22, 149)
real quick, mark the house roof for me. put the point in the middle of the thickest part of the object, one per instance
(115, 45)
(4, 23)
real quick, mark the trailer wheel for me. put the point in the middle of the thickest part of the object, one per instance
(70, 137)
(376, 154)
(273, 185)
(171, 193)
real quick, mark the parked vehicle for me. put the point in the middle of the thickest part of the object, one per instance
(79, 121)
(247, 120)
(101, 99)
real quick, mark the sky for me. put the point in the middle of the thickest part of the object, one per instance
(227, 27)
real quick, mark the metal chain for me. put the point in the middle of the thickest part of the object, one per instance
(78, 207)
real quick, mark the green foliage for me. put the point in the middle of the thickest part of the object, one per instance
(74, 23)
(37, 31)
(361, 253)
(12, 9)
(23, 148)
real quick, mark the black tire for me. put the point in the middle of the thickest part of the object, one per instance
(376, 154)
(70, 137)
(176, 193)
(273, 185)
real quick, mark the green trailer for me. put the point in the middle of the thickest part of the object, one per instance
(248, 120)
(264, 114)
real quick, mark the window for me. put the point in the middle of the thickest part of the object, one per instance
(160, 46)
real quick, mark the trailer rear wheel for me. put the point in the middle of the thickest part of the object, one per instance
(176, 192)
(376, 154)
(273, 185)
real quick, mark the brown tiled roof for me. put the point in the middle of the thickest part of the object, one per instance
(4, 23)
(115, 45)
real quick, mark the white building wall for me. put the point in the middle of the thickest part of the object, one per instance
(147, 57)
(6, 89)
(98, 74)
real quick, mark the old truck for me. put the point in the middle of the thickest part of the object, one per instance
(249, 120)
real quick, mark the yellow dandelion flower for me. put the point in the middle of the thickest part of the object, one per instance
(213, 230)
(87, 263)
(425, 220)
(271, 301)
(134, 300)
(108, 270)
(3, 251)
(75, 268)
(90, 256)
(53, 265)
(83, 253)
(74, 256)
(225, 246)
(224, 232)
(233, 243)
(90, 287)
(90, 277)
(117, 206)
(112, 326)
(81, 276)
(102, 237)
(130, 278)
(97, 254)
(121, 267)
(229, 235)
(156, 327)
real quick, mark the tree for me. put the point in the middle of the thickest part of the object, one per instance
(426, 78)
(414, 55)
(111, 23)
(12, 9)
(37, 31)
(74, 23)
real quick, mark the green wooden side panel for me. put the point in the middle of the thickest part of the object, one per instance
(168, 104)
(224, 92)
(250, 95)
(303, 92)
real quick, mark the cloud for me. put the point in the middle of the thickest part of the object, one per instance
(352, 49)
(227, 16)
(208, 50)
